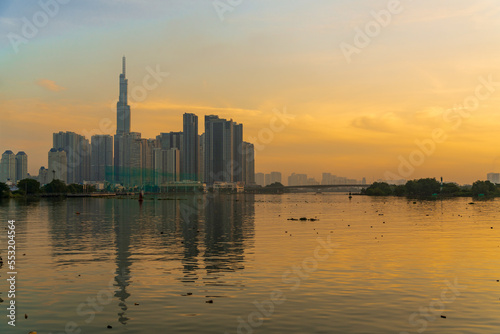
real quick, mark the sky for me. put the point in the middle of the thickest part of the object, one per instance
(375, 89)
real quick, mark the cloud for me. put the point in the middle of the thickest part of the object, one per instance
(388, 122)
(50, 85)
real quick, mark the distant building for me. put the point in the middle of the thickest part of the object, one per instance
(58, 165)
(260, 179)
(8, 167)
(21, 166)
(494, 177)
(190, 147)
(77, 149)
(275, 177)
(297, 180)
(101, 158)
(43, 176)
(248, 158)
(223, 150)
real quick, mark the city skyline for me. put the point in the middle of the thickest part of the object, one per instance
(356, 118)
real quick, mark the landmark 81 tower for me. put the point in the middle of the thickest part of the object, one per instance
(122, 107)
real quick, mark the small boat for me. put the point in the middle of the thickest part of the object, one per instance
(350, 195)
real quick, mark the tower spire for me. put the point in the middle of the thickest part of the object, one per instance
(123, 65)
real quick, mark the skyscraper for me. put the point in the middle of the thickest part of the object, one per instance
(58, 165)
(101, 162)
(223, 157)
(77, 149)
(122, 107)
(248, 163)
(8, 167)
(122, 126)
(21, 166)
(189, 156)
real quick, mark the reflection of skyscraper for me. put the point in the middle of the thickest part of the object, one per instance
(189, 155)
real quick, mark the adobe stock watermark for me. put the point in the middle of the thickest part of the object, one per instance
(296, 275)
(277, 124)
(454, 117)
(372, 29)
(428, 314)
(31, 27)
(224, 6)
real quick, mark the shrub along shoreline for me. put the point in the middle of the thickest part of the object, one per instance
(432, 188)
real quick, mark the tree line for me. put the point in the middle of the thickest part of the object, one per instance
(32, 187)
(431, 187)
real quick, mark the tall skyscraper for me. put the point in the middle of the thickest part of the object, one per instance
(122, 107)
(77, 149)
(122, 126)
(101, 161)
(248, 163)
(238, 152)
(21, 166)
(189, 156)
(8, 167)
(223, 157)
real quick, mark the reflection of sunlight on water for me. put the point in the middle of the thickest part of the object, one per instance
(391, 260)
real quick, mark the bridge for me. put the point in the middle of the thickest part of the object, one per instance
(325, 186)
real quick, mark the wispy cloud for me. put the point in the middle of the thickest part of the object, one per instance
(50, 85)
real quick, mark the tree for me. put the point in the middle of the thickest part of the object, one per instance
(379, 189)
(55, 187)
(29, 186)
(4, 190)
(275, 185)
(450, 189)
(485, 188)
(422, 187)
(75, 188)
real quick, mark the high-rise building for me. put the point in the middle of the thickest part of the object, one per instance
(58, 165)
(43, 176)
(223, 157)
(494, 177)
(297, 180)
(201, 158)
(167, 166)
(101, 161)
(122, 107)
(8, 167)
(77, 149)
(237, 152)
(21, 166)
(260, 179)
(122, 127)
(248, 163)
(189, 157)
(274, 177)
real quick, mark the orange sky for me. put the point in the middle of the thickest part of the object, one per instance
(355, 119)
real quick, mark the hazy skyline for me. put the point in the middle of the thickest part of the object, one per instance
(351, 119)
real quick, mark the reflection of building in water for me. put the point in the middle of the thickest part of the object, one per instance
(204, 235)
(122, 221)
(228, 224)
